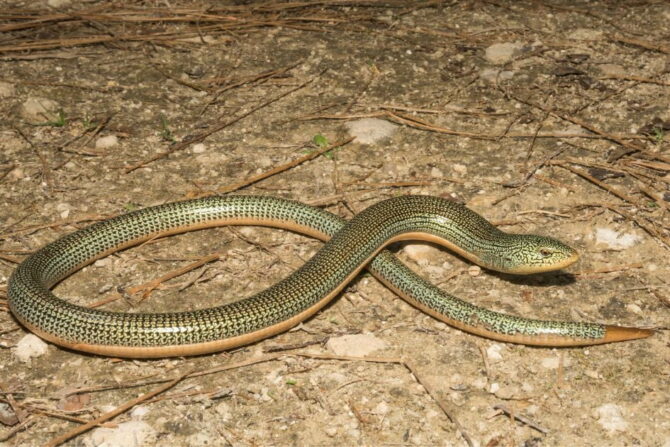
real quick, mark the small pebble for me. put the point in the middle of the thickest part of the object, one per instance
(633, 308)
(501, 53)
(7, 90)
(422, 253)
(127, 434)
(370, 130)
(616, 240)
(355, 345)
(37, 110)
(106, 142)
(493, 352)
(436, 173)
(474, 270)
(611, 418)
(199, 148)
(28, 347)
(460, 169)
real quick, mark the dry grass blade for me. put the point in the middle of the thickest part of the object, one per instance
(111, 414)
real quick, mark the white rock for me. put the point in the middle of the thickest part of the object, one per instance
(633, 308)
(611, 418)
(459, 168)
(554, 362)
(370, 130)
(493, 352)
(474, 270)
(7, 89)
(139, 412)
(17, 174)
(355, 345)
(500, 53)
(63, 209)
(382, 408)
(616, 240)
(127, 434)
(58, 3)
(331, 431)
(106, 142)
(39, 110)
(199, 148)
(30, 346)
(422, 253)
(550, 362)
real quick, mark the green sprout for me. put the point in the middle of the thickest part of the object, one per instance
(659, 135)
(166, 133)
(320, 141)
(59, 121)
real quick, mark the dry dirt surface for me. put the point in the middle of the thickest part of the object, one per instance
(545, 117)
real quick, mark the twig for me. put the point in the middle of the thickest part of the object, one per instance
(636, 78)
(522, 419)
(74, 220)
(602, 185)
(67, 417)
(286, 166)
(420, 124)
(22, 426)
(645, 226)
(446, 408)
(148, 287)
(111, 414)
(279, 348)
(200, 137)
(641, 43)
(610, 269)
(609, 136)
(12, 403)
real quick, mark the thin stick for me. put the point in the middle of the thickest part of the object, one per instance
(446, 408)
(641, 43)
(602, 185)
(286, 166)
(636, 78)
(200, 137)
(522, 419)
(610, 269)
(22, 426)
(148, 287)
(111, 414)
(87, 218)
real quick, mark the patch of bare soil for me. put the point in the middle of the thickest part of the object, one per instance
(545, 117)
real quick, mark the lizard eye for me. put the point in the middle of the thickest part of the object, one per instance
(545, 253)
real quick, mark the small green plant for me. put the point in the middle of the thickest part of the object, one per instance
(291, 381)
(659, 135)
(58, 121)
(88, 124)
(320, 141)
(166, 133)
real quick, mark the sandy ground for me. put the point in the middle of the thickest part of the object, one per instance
(545, 117)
